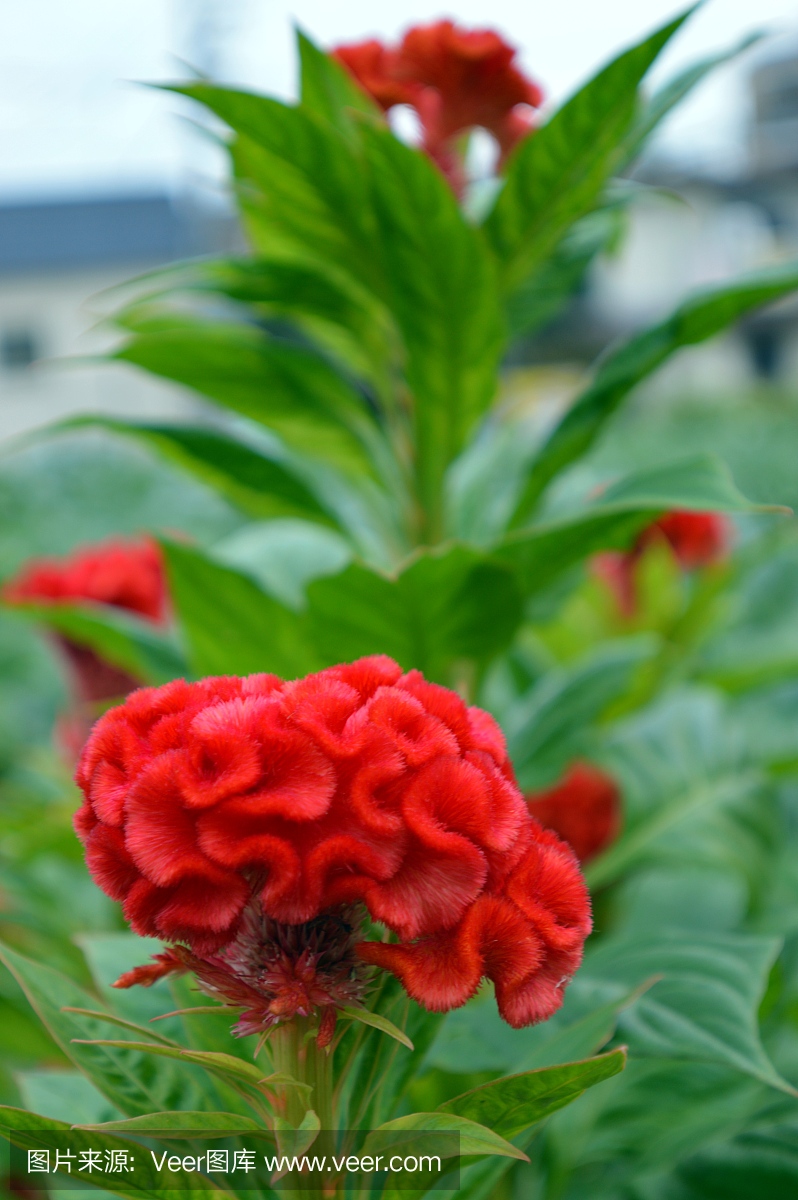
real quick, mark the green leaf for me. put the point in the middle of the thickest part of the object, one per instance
(705, 1007)
(230, 625)
(445, 606)
(118, 1069)
(665, 99)
(376, 1021)
(188, 1123)
(683, 772)
(21, 1129)
(554, 177)
(284, 556)
(758, 1162)
(546, 291)
(288, 389)
(121, 638)
(226, 1066)
(547, 727)
(699, 318)
(543, 551)
(64, 1096)
(328, 90)
(439, 282)
(307, 194)
(260, 483)
(513, 1104)
(474, 1138)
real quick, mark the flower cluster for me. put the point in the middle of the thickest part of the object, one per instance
(455, 79)
(356, 786)
(697, 539)
(122, 574)
(583, 808)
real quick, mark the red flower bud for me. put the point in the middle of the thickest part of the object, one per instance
(235, 814)
(584, 808)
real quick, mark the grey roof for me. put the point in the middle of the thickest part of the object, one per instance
(59, 235)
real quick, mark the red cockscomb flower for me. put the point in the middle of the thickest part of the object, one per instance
(456, 79)
(584, 808)
(122, 574)
(697, 539)
(235, 815)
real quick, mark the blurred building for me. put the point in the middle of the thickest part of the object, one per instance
(58, 260)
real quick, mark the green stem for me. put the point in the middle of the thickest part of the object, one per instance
(295, 1052)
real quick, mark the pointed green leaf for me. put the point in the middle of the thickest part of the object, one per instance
(288, 389)
(699, 318)
(704, 1009)
(655, 109)
(118, 1069)
(175, 1123)
(541, 552)
(474, 1138)
(555, 176)
(512, 1104)
(328, 90)
(21, 1129)
(225, 1065)
(377, 1022)
(260, 483)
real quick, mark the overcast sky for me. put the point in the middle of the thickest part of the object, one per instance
(71, 120)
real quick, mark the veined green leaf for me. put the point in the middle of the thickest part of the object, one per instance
(512, 1104)
(474, 1138)
(21, 1129)
(176, 1123)
(554, 177)
(699, 318)
(377, 1021)
(282, 386)
(762, 1161)
(224, 1065)
(546, 727)
(118, 1069)
(704, 1009)
(230, 625)
(307, 196)
(259, 483)
(440, 284)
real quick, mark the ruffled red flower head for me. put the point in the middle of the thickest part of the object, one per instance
(122, 574)
(358, 785)
(584, 808)
(456, 79)
(697, 539)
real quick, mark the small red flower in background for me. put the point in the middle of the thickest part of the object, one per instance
(456, 79)
(697, 539)
(584, 808)
(122, 574)
(233, 814)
